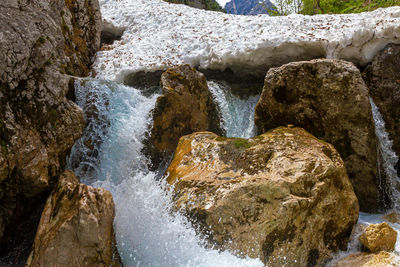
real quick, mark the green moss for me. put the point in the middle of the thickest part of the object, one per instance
(1, 123)
(41, 40)
(3, 146)
(53, 113)
(258, 138)
(173, 75)
(240, 142)
(49, 62)
(63, 69)
(56, 123)
(221, 138)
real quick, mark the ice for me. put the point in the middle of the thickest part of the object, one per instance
(160, 34)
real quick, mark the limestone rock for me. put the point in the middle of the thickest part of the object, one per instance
(186, 106)
(283, 196)
(329, 99)
(381, 259)
(379, 237)
(382, 76)
(41, 42)
(76, 227)
(393, 217)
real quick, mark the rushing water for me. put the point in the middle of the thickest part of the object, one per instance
(388, 158)
(109, 154)
(148, 233)
(237, 113)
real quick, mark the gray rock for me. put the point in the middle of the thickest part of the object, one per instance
(248, 7)
(382, 77)
(330, 100)
(41, 42)
(76, 227)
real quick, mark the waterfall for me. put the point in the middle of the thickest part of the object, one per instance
(148, 233)
(387, 157)
(237, 113)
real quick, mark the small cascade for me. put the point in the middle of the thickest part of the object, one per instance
(387, 160)
(237, 113)
(148, 232)
(387, 157)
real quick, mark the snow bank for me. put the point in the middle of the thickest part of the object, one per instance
(159, 34)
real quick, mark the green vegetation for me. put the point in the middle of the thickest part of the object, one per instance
(221, 138)
(41, 40)
(240, 142)
(204, 4)
(3, 146)
(313, 7)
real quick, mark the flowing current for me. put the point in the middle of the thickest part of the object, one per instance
(109, 155)
(387, 160)
(237, 113)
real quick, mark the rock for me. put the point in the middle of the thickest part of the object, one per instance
(382, 77)
(381, 259)
(41, 42)
(248, 7)
(283, 196)
(393, 217)
(329, 99)
(76, 227)
(379, 237)
(186, 106)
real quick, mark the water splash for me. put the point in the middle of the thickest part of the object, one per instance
(237, 113)
(148, 233)
(388, 158)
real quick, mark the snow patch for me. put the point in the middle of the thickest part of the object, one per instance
(160, 34)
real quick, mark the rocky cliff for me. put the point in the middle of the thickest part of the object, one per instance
(248, 7)
(42, 43)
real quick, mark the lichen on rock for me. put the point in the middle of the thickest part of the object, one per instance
(41, 41)
(378, 237)
(329, 99)
(186, 106)
(76, 227)
(283, 196)
(381, 259)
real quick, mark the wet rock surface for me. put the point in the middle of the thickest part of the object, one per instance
(41, 43)
(381, 259)
(382, 77)
(378, 237)
(329, 99)
(186, 106)
(283, 196)
(76, 227)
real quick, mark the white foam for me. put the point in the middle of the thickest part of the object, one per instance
(237, 114)
(388, 156)
(148, 232)
(160, 34)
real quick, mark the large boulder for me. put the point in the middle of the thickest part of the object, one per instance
(41, 43)
(186, 106)
(76, 227)
(382, 76)
(283, 196)
(377, 237)
(329, 99)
